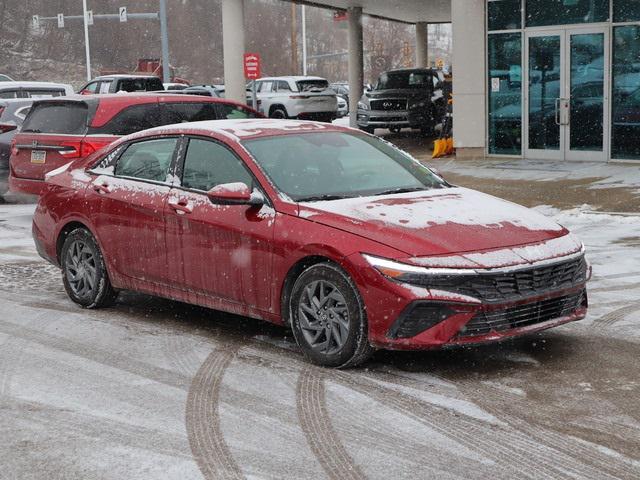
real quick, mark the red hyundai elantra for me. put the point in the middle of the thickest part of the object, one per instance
(334, 232)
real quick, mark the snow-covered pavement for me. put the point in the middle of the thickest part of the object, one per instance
(157, 389)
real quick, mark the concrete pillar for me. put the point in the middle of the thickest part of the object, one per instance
(422, 45)
(356, 61)
(469, 77)
(233, 49)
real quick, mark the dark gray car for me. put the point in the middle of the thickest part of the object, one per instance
(12, 113)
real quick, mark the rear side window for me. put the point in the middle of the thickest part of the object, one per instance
(9, 94)
(208, 164)
(147, 160)
(65, 118)
(104, 86)
(190, 112)
(283, 86)
(226, 111)
(140, 84)
(154, 84)
(132, 119)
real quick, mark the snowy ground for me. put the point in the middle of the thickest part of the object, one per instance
(156, 389)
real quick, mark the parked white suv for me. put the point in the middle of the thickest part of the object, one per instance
(308, 98)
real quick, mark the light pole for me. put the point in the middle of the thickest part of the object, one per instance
(164, 39)
(87, 49)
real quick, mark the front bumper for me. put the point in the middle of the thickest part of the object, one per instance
(393, 118)
(409, 317)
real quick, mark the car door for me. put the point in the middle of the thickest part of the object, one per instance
(265, 96)
(128, 193)
(224, 251)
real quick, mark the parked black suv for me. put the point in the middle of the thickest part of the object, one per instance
(404, 98)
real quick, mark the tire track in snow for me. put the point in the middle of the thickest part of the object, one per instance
(615, 316)
(209, 448)
(315, 421)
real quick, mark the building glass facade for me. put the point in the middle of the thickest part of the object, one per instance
(563, 79)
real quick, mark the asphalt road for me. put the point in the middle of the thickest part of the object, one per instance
(157, 389)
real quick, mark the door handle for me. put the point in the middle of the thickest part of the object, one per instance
(102, 186)
(181, 206)
(557, 116)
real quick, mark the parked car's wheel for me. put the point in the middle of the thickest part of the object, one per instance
(278, 112)
(328, 317)
(83, 271)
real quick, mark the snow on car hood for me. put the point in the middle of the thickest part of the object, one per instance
(436, 222)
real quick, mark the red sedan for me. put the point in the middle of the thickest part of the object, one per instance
(331, 231)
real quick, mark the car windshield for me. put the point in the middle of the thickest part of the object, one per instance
(402, 80)
(333, 165)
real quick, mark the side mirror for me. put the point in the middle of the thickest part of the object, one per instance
(235, 194)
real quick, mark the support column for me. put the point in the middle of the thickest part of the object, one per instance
(422, 45)
(469, 77)
(233, 49)
(356, 62)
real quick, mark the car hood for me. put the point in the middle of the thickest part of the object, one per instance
(436, 222)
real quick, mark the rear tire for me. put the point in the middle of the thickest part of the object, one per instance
(84, 273)
(279, 112)
(328, 317)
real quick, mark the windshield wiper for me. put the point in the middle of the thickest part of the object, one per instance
(319, 198)
(401, 190)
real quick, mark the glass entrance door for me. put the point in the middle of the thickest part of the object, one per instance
(566, 96)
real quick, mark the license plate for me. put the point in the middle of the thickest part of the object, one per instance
(38, 156)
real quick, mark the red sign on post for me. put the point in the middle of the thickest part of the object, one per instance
(252, 66)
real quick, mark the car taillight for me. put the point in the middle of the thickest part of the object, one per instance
(14, 149)
(71, 149)
(87, 148)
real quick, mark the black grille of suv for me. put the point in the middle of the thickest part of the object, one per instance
(509, 286)
(522, 315)
(388, 104)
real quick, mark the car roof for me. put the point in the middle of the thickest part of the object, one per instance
(247, 128)
(295, 78)
(13, 84)
(123, 75)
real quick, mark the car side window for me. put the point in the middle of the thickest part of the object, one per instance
(104, 86)
(265, 87)
(190, 112)
(283, 86)
(208, 163)
(227, 111)
(147, 160)
(9, 94)
(132, 119)
(91, 87)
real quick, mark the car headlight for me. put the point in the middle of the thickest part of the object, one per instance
(403, 272)
(363, 106)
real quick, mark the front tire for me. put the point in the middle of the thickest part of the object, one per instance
(328, 318)
(84, 273)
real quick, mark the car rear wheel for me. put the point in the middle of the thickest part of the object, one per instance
(278, 113)
(328, 317)
(83, 271)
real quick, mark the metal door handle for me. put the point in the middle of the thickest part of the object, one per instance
(557, 117)
(181, 206)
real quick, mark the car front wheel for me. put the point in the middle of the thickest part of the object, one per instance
(328, 317)
(83, 271)
(278, 113)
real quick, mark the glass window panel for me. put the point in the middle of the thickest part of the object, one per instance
(626, 92)
(563, 12)
(587, 91)
(208, 164)
(544, 89)
(505, 93)
(147, 160)
(626, 10)
(505, 14)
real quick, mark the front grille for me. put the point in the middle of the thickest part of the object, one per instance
(522, 315)
(389, 104)
(509, 286)
(387, 119)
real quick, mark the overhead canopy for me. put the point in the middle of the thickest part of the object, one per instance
(411, 11)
